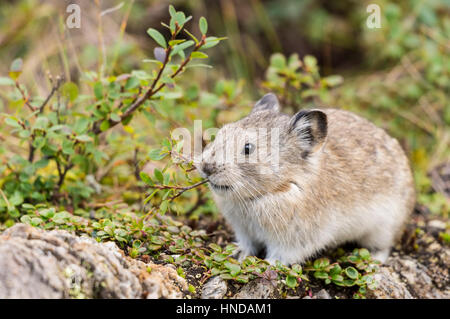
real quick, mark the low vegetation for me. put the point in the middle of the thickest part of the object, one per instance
(95, 156)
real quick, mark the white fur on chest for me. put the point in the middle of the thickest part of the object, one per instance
(263, 222)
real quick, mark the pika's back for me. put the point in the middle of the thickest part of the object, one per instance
(364, 158)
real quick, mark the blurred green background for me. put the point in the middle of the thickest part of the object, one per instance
(398, 75)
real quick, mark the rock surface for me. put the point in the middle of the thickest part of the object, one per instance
(36, 263)
(257, 289)
(323, 294)
(419, 266)
(56, 264)
(214, 288)
(405, 278)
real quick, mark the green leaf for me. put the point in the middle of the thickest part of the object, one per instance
(175, 42)
(159, 176)
(98, 90)
(70, 91)
(220, 257)
(115, 117)
(351, 272)
(41, 123)
(12, 122)
(83, 138)
(47, 213)
(150, 196)
(215, 247)
(163, 207)
(291, 281)
(349, 282)
(203, 24)
(234, 269)
(172, 11)
(180, 17)
(6, 81)
(321, 263)
(320, 275)
(157, 36)
(27, 206)
(297, 268)
(16, 199)
(156, 155)
(81, 125)
(104, 126)
(364, 253)
(41, 163)
(242, 279)
(310, 62)
(145, 178)
(278, 61)
(198, 55)
(211, 42)
(333, 80)
(132, 83)
(181, 47)
(337, 278)
(226, 276)
(335, 270)
(67, 147)
(25, 219)
(191, 35)
(35, 221)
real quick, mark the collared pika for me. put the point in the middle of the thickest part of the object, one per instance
(293, 186)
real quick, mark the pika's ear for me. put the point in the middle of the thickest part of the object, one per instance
(310, 126)
(268, 102)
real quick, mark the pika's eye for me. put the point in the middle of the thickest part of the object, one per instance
(249, 148)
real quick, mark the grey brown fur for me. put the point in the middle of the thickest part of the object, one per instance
(340, 178)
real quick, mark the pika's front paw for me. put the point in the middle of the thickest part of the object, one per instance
(241, 253)
(381, 255)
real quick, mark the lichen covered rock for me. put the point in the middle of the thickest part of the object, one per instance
(57, 264)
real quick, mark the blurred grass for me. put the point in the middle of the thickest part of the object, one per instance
(397, 76)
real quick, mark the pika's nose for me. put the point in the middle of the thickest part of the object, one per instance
(208, 168)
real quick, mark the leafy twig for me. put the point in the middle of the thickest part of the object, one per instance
(25, 97)
(55, 87)
(152, 91)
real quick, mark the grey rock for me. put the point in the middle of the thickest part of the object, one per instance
(214, 288)
(406, 278)
(417, 278)
(436, 223)
(390, 286)
(36, 263)
(323, 294)
(257, 289)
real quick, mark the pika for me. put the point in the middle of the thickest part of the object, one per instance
(294, 185)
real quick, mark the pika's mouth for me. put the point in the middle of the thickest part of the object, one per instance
(219, 187)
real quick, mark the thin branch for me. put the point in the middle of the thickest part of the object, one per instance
(152, 91)
(55, 87)
(136, 164)
(188, 188)
(62, 173)
(6, 200)
(25, 97)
